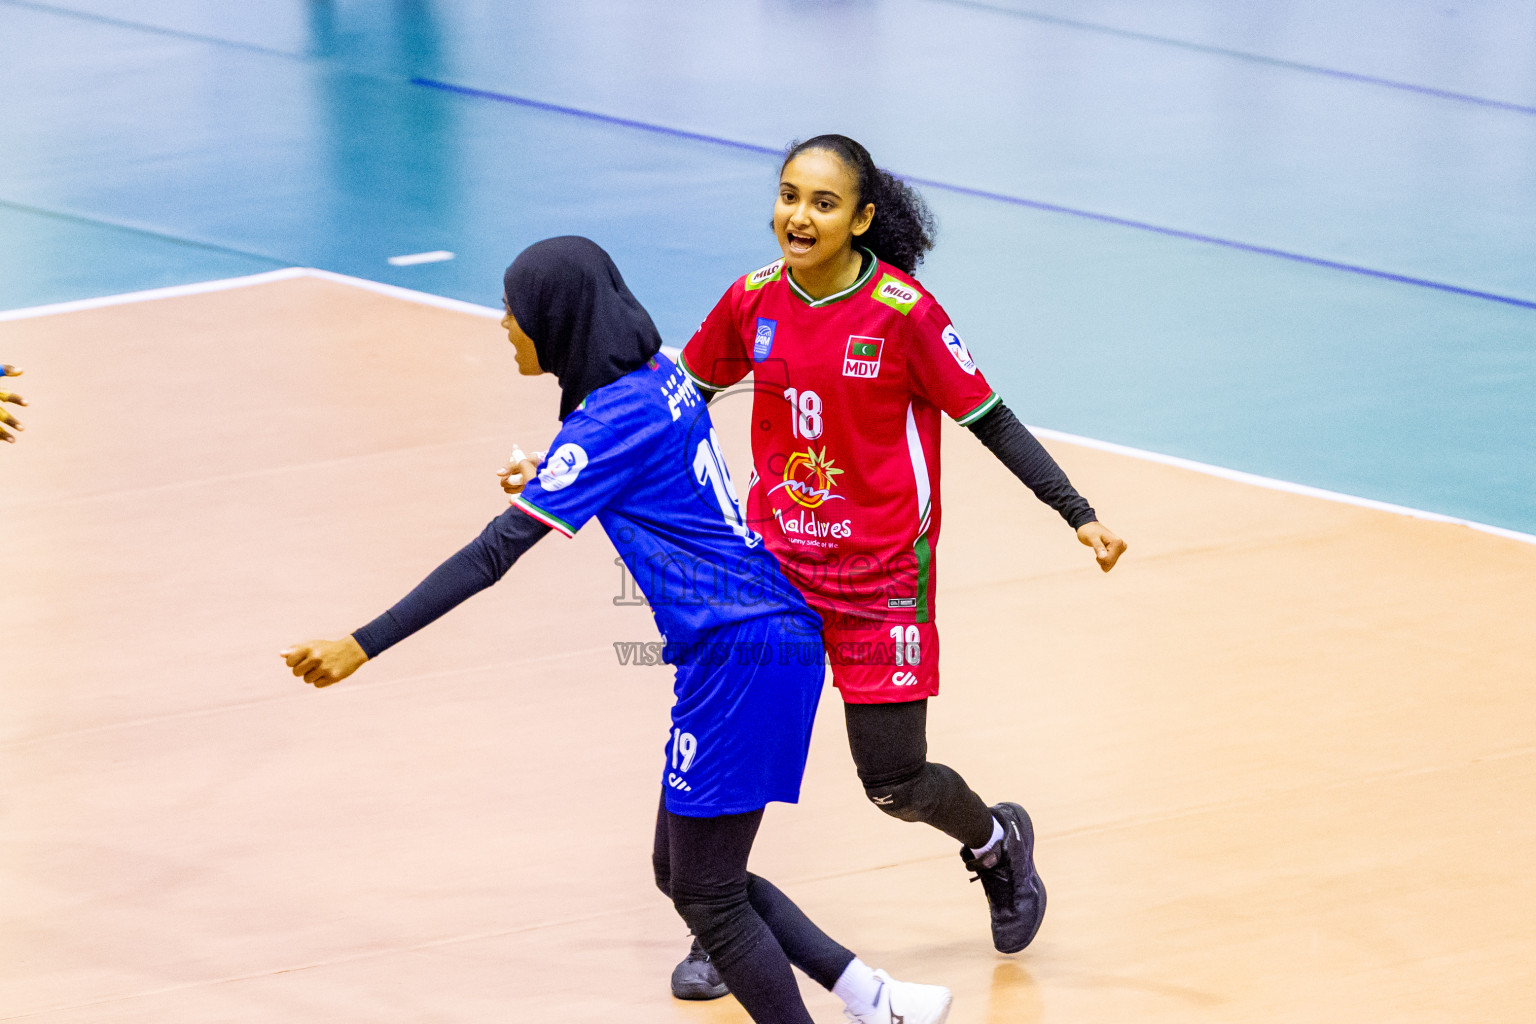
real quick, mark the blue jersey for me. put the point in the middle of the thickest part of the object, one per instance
(642, 456)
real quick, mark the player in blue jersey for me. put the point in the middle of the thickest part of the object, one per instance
(636, 450)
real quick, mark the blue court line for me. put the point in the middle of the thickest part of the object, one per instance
(592, 115)
(1034, 204)
(1256, 58)
(1048, 19)
(1261, 250)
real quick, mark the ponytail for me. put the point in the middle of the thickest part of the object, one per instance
(902, 232)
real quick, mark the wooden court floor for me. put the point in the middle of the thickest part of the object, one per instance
(1282, 760)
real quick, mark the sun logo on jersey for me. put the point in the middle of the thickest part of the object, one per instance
(809, 477)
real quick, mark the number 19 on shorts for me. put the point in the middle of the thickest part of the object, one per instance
(685, 747)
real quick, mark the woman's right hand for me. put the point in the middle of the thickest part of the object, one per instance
(323, 662)
(519, 471)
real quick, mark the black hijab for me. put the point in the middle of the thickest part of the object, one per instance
(587, 328)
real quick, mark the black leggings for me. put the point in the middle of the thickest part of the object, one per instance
(889, 743)
(750, 929)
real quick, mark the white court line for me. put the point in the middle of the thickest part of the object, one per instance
(225, 284)
(407, 294)
(1277, 485)
(201, 288)
(459, 306)
(435, 256)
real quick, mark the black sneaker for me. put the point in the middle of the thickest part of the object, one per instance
(1007, 873)
(696, 977)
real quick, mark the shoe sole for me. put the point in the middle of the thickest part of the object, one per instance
(1020, 817)
(700, 995)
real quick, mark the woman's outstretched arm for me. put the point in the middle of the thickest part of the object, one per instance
(1019, 450)
(476, 566)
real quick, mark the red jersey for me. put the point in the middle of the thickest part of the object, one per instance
(845, 438)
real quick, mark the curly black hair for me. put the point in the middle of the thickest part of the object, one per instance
(902, 232)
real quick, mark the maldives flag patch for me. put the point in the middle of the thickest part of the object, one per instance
(863, 357)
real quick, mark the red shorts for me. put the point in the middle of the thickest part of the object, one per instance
(881, 661)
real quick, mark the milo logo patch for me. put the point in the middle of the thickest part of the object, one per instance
(900, 297)
(758, 278)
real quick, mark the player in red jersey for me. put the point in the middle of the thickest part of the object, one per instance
(853, 363)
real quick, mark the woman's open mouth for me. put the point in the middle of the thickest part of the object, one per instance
(799, 244)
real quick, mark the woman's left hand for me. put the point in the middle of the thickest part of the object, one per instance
(1107, 548)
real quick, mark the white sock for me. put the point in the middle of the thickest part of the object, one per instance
(997, 834)
(858, 987)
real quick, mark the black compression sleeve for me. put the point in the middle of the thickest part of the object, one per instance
(1013, 444)
(476, 566)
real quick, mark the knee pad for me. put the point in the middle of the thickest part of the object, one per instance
(909, 800)
(713, 921)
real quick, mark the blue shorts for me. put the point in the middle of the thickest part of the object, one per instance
(741, 726)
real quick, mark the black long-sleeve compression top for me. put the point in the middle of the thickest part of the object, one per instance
(475, 566)
(1019, 450)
